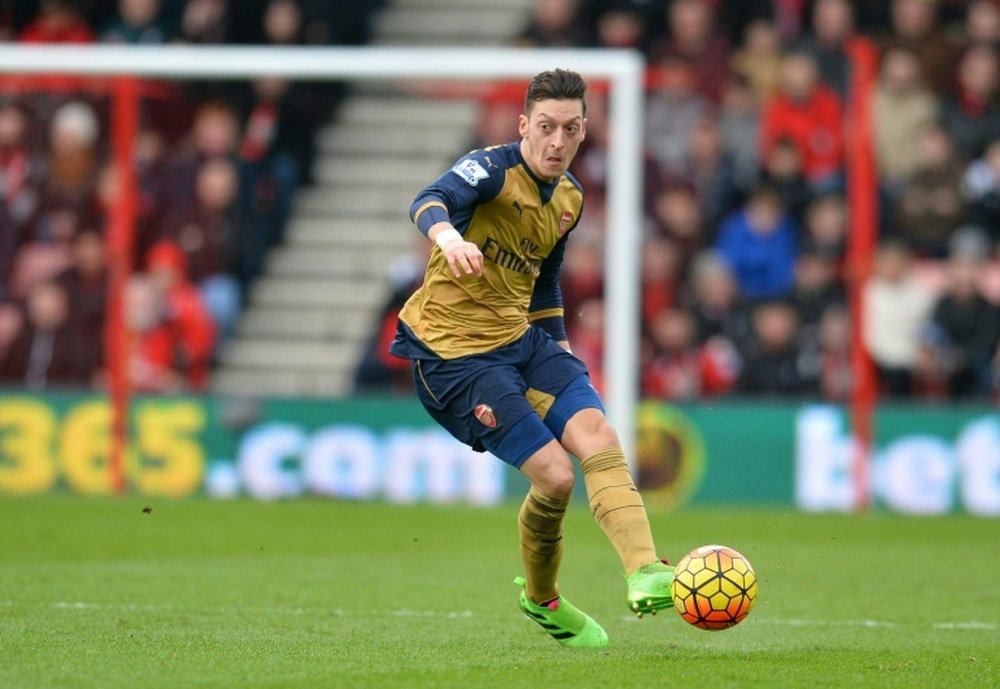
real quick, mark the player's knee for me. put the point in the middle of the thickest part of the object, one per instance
(557, 480)
(589, 432)
(605, 434)
(600, 434)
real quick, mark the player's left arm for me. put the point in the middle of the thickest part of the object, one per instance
(546, 308)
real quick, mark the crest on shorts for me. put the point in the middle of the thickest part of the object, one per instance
(565, 222)
(485, 415)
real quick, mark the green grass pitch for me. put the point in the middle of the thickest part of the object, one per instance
(100, 593)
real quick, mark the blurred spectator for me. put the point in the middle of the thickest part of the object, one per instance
(789, 16)
(739, 122)
(807, 113)
(715, 301)
(895, 313)
(930, 206)
(208, 233)
(710, 170)
(915, 27)
(275, 149)
(677, 216)
(11, 323)
(660, 276)
(971, 114)
(85, 283)
(673, 109)
(758, 241)
(826, 229)
(981, 184)
(758, 61)
(964, 331)
(621, 27)
(836, 376)
(380, 371)
(982, 24)
(345, 22)
(816, 290)
(554, 24)
(20, 177)
(214, 134)
(72, 156)
(582, 276)
(205, 21)
(37, 262)
(901, 105)
(45, 354)
(781, 169)
(675, 369)
(773, 364)
(58, 21)
(692, 38)
(138, 22)
(184, 312)
(153, 364)
(832, 28)
(586, 336)
(283, 23)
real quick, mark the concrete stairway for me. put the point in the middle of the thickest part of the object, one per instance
(313, 310)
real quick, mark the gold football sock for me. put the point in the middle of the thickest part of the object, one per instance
(540, 527)
(618, 507)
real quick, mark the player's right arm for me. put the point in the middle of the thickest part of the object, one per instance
(455, 194)
(459, 253)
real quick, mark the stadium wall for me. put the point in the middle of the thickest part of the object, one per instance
(928, 460)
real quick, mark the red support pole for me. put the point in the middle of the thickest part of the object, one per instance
(119, 241)
(862, 198)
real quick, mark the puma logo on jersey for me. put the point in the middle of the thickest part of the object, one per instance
(520, 211)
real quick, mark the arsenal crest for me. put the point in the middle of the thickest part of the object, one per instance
(565, 222)
(486, 416)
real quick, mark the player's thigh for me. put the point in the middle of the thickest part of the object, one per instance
(558, 386)
(486, 409)
(587, 432)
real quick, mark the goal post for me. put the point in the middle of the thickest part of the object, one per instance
(623, 71)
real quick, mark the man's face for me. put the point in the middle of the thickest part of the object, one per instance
(551, 134)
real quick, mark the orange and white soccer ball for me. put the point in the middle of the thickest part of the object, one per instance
(714, 587)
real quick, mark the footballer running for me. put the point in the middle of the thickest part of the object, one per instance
(491, 360)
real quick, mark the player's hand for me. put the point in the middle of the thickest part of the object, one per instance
(463, 258)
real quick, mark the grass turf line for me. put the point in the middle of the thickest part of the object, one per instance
(97, 593)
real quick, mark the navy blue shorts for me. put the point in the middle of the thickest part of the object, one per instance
(511, 401)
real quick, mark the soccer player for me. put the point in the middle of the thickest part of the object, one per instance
(492, 362)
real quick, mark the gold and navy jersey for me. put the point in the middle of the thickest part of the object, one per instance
(520, 224)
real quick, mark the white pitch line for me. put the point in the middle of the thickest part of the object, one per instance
(967, 625)
(335, 612)
(867, 624)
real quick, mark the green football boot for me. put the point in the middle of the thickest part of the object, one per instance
(649, 588)
(564, 622)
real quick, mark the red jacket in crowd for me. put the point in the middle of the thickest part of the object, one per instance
(815, 126)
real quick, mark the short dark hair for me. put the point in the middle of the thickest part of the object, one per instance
(558, 84)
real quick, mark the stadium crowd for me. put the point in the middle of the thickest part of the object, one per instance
(743, 262)
(217, 162)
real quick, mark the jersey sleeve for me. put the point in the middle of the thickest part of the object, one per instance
(546, 308)
(473, 180)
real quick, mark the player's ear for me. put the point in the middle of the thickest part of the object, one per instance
(522, 125)
(583, 129)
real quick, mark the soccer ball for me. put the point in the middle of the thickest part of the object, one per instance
(714, 587)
